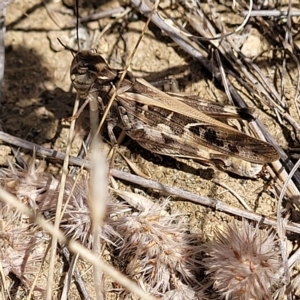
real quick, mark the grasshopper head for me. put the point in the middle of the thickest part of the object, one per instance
(85, 70)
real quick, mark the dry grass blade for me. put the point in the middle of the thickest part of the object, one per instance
(241, 200)
(137, 201)
(98, 205)
(59, 205)
(134, 167)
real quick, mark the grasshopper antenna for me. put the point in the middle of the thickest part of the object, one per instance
(67, 48)
(77, 32)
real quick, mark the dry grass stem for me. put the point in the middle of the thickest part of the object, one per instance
(97, 203)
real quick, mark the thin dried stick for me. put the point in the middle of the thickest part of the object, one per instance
(82, 288)
(45, 152)
(152, 184)
(38, 274)
(223, 76)
(240, 27)
(272, 13)
(216, 204)
(51, 15)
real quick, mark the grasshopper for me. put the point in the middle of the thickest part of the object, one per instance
(170, 124)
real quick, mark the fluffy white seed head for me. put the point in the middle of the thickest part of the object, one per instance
(243, 262)
(160, 252)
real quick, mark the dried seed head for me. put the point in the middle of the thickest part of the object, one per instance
(40, 189)
(26, 183)
(243, 262)
(183, 292)
(159, 250)
(21, 253)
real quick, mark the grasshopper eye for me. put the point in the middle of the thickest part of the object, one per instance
(73, 77)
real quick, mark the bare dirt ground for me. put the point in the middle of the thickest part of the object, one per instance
(38, 97)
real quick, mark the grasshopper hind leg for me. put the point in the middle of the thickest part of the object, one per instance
(221, 161)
